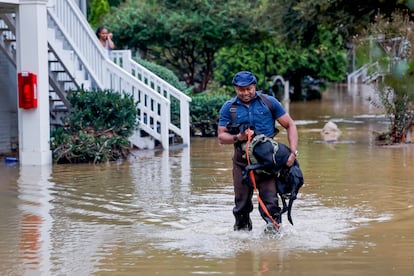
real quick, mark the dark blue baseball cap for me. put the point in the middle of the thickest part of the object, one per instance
(244, 78)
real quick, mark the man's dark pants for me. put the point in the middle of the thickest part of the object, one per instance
(243, 192)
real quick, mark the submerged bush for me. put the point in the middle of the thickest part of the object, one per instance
(96, 129)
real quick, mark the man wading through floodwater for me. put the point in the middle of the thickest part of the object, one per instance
(252, 113)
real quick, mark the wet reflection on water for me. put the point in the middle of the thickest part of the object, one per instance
(169, 213)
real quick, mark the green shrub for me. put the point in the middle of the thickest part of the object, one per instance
(96, 129)
(204, 110)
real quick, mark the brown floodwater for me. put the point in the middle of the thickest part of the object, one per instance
(170, 213)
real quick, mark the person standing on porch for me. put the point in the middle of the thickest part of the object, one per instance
(105, 38)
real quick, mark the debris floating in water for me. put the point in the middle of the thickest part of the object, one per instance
(11, 160)
(330, 132)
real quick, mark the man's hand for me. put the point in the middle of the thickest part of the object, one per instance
(291, 160)
(243, 136)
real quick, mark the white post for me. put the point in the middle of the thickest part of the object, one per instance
(286, 96)
(185, 121)
(165, 121)
(31, 38)
(35, 192)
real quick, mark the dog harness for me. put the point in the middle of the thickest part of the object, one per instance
(261, 138)
(288, 179)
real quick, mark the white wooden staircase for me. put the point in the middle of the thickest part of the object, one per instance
(77, 60)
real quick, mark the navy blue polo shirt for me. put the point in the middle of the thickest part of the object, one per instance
(257, 114)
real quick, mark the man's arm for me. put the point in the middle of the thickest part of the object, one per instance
(225, 137)
(292, 135)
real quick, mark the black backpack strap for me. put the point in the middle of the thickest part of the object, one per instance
(264, 99)
(270, 106)
(233, 110)
(267, 102)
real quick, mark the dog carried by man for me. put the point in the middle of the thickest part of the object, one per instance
(267, 156)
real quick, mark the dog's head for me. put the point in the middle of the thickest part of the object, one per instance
(288, 183)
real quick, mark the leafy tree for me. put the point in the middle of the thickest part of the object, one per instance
(112, 3)
(197, 39)
(185, 35)
(324, 59)
(99, 9)
(319, 32)
(298, 20)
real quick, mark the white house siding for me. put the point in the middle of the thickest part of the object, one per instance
(8, 106)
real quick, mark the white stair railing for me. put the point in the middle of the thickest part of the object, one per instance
(124, 59)
(67, 17)
(152, 93)
(366, 73)
(7, 37)
(153, 108)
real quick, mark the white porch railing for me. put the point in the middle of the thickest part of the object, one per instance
(123, 59)
(366, 73)
(153, 94)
